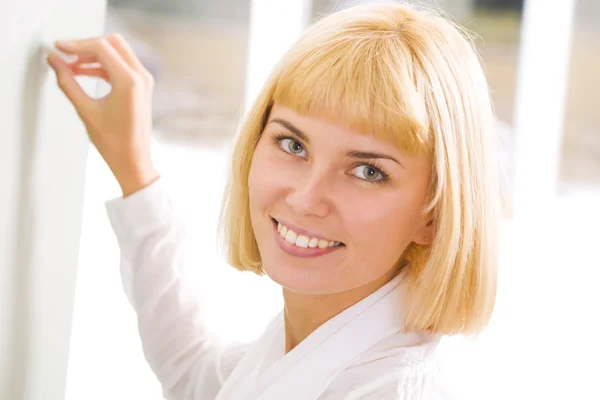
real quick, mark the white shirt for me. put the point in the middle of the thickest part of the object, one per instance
(362, 353)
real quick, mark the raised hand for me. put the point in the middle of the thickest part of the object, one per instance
(119, 125)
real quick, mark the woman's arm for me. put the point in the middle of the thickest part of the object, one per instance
(159, 269)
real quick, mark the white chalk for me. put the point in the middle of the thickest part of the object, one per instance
(50, 49)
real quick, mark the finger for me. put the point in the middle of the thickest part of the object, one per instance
(125, 50)
(86, 60)
(97, 72)
(79, 59)
(69, 86)
(101, 50)
(121, 46)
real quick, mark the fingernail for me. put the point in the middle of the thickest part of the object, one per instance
(63, 43)
(51, 60)
(55, 62)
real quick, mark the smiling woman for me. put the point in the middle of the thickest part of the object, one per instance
(363, 182)
(361, 88)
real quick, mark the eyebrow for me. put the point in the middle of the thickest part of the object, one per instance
(363, 155)
(291, 128)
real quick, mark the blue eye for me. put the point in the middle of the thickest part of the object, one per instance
(292, 146)
(369, 173)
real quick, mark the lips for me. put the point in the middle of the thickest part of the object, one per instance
(301, 242)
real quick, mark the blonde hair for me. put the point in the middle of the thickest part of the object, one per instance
(413, 78)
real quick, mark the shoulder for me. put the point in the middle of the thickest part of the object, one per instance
(391, 372)
(382, 381)
(417, 382)
(386, 381)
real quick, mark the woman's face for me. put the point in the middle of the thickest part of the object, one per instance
(332, 209)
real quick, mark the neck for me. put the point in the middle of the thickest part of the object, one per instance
(304, 313)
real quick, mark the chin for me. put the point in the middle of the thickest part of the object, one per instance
(301, 277)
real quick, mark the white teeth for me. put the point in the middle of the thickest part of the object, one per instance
(302, 241)
(291, 236)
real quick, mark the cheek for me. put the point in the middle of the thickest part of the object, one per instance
(381, 227)
(265, 179)
(258, 186)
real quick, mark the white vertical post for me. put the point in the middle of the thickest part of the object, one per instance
(274, 26)
(539, 108)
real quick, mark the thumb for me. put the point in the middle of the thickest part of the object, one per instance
(69, 86)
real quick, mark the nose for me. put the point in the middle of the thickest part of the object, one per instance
(310, 195)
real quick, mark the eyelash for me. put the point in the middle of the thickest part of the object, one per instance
(384, 176)
(374, 165)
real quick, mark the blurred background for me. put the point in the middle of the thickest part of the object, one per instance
(209, 57)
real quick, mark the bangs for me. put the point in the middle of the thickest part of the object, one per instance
(365, 83)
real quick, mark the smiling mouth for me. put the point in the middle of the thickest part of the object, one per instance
(303, 241)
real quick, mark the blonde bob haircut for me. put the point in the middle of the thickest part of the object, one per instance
(413, 78)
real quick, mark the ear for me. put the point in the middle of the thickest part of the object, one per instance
(426, 233)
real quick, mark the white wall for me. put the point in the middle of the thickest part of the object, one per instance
(43, 150)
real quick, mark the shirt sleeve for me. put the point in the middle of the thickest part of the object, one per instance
(158, 273)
